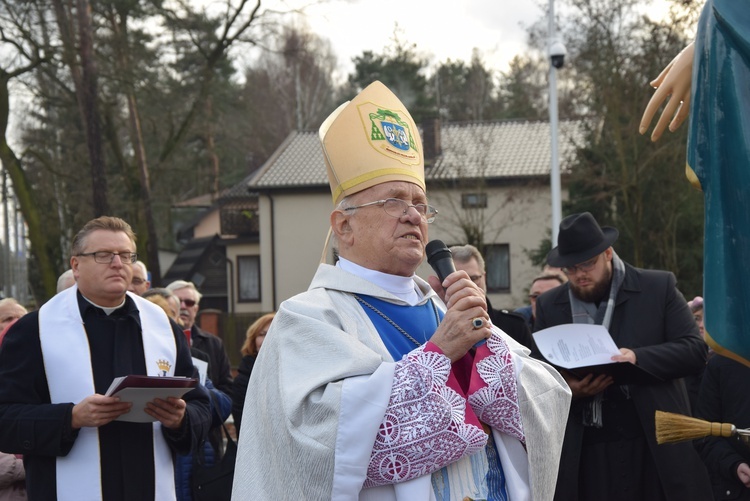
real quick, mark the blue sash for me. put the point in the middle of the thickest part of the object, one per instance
(420, 323)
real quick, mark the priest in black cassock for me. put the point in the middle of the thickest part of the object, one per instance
(56, 365)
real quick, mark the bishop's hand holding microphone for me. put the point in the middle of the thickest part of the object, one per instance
(466, 322)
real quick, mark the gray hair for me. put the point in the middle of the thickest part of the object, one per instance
(64, 279)
(183, 284)
(345, 203)
(143, 268)
(464, 253)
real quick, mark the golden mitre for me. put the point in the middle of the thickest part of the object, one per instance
(370, 140)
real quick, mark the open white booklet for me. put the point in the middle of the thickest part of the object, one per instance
(143, 389)
(588, 349)
(576, 345)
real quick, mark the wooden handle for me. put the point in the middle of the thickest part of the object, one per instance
(722, 430)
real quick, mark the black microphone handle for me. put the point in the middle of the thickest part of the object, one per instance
(443, 267)
(440, 258)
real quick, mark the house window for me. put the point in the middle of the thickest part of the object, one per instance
(248, 278)
(497, 259)
(474, 200)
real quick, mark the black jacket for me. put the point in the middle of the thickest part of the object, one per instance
(240, 389)
(42, 431)
(652, 318)
(219, 369)
(512, 324)
(724, 398)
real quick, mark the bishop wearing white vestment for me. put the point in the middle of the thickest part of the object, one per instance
(368, 386)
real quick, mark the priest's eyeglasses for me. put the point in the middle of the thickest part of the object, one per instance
(395, 207)
(106, 257)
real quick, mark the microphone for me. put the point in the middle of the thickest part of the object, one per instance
(440, 258)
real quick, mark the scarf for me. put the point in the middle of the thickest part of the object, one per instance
(589, 313)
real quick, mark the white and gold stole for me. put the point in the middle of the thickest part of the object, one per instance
(67, 362)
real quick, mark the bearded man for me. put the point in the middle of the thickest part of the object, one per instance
(610, 449)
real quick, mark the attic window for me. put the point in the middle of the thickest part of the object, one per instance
(474, 200)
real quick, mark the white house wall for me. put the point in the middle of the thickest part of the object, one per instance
(520, 217)
(209, 225)
(300, 226)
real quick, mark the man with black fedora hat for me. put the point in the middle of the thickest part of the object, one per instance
(610, 449)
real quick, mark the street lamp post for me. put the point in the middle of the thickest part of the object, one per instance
(557, 59)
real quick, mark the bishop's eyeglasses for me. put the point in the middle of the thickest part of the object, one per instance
(395, 207)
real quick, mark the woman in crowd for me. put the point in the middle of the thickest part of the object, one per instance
(253, 340)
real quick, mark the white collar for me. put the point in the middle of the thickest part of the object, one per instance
(106, 309)
(402, 287)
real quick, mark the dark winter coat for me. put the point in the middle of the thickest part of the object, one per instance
(652, 318)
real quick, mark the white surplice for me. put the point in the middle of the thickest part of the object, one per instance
(320, 389)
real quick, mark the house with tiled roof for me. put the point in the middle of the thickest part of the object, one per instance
(489, 180)
(214, 232)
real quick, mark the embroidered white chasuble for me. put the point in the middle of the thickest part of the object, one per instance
(325, 379)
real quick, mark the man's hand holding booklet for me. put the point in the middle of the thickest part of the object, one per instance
(588, 349)
(143, 389)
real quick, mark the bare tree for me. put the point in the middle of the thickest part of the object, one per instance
(24, 57)
(80, 57)
(289, 87)
(107, 79)
(621, 176)
(470, 168)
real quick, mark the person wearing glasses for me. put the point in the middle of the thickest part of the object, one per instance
(140, 282)
(469, 259)
(610, 449)
(548, 280)
(219, 369)
(57, 363)
(368, 386)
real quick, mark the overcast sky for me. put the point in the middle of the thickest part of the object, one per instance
(440, 29)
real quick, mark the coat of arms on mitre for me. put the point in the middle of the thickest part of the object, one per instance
(390, 134)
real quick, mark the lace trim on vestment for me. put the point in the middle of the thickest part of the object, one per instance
(424, 421)
(496, 404)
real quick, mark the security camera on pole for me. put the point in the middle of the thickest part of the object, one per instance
(557, 54)
(557, 59)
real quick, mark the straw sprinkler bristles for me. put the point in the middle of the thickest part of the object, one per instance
(671, 428)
